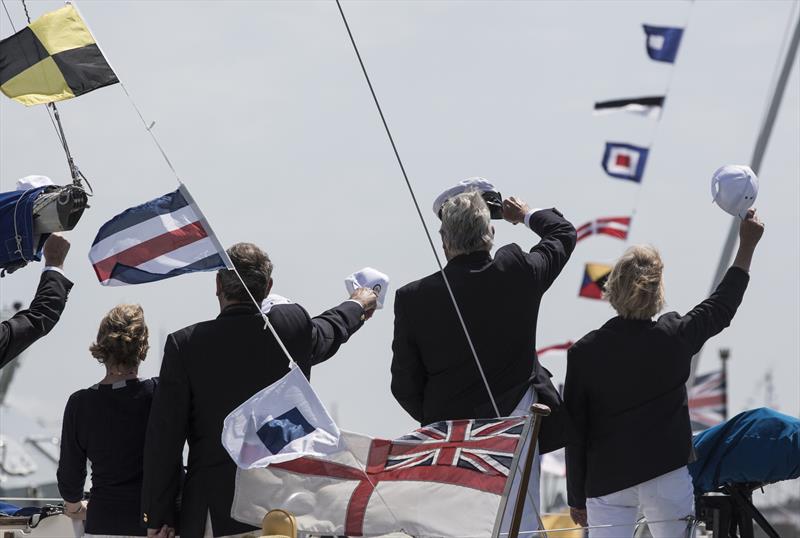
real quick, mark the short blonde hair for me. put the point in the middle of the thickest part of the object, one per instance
(466, 224)
(635, 287)
(122, 337)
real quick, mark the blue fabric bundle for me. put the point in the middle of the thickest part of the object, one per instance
(16, 207)
(760, 445)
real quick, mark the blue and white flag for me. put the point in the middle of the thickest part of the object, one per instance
(162, 238)
(624, 161)
(662, 42)
(282, 422)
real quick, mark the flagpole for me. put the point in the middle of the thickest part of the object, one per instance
(724, 355)
(538, 412)
(755, 164)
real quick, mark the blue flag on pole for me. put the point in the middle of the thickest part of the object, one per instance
(662, 42)
(625, 161)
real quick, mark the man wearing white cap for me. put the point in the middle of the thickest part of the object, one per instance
(434, 375)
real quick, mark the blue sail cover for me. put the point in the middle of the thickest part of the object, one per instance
(760, 445)
(18, 206)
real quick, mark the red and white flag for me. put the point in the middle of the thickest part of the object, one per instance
(447, 479)
(613, 226)
(557, 347)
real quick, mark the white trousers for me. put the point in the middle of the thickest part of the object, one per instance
(530, 514)
(666, 497)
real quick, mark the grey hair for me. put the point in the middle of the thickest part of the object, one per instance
(466, 224)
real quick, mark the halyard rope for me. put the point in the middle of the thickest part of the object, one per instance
(419, 212)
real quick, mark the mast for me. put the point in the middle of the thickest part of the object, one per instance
(755, 163)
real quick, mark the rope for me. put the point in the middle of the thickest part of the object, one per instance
(419, 212)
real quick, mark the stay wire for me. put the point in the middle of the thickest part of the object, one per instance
(656, 129)
(419, 211)
(47, 108)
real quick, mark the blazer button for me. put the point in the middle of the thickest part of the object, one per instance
(144, 517)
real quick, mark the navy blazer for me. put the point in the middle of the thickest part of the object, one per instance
(208, 370)
(434, 375)
(626, 394)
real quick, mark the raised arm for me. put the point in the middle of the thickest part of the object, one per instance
(558, 238)
(715, 313)
(27, 326)
(334, 327)
(408, 372)
(166, 435)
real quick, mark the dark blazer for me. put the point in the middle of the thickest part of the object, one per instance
(434, 375)
(626, 393)
(27, 326)
(208, 370)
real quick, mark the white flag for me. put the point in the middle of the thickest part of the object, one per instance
(445, 480)
(280, 423)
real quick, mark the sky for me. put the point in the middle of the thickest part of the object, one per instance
(265, 114)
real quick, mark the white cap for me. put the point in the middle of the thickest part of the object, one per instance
(271, 300)
(369, 278)
(33, 182)
(474, 183)
(734, 188)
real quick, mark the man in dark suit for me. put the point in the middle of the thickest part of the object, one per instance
(208, 370)
(434, 375)
(27, 326)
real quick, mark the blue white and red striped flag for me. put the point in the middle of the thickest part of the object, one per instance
(162, 238)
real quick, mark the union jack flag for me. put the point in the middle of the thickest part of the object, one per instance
(614, 226)
(472, 459)
(708, 402)
(486, 446)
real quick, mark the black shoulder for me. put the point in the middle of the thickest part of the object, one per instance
(669, 322)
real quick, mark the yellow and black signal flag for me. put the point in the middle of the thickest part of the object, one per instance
(53, 58)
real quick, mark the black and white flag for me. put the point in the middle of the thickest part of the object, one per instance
(646, 106)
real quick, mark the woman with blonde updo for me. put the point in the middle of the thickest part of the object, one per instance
(626, 393)
(106, 424)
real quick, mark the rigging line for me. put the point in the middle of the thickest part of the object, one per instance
(73, 169)
(656, 129)
(419, 212)
(149, 129)
(14, 29)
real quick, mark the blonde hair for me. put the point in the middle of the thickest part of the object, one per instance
(466, 225)
(122, 337)
(635, 287)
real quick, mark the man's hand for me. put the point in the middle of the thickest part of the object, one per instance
(751, 229)
(76, 510)
(578, 515)
(55, 250)
(163, 532)
(368, 300)
(514, 210)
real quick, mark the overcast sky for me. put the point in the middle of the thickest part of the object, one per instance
(264, 111)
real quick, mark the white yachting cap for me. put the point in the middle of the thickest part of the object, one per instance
(33, 182)
(734, 188)
(369, 278)
(475, 183)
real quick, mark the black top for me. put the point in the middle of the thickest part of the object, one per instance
(208, 370)
(626, 393)
(434, 375)
(106, 425)
(27, 326)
